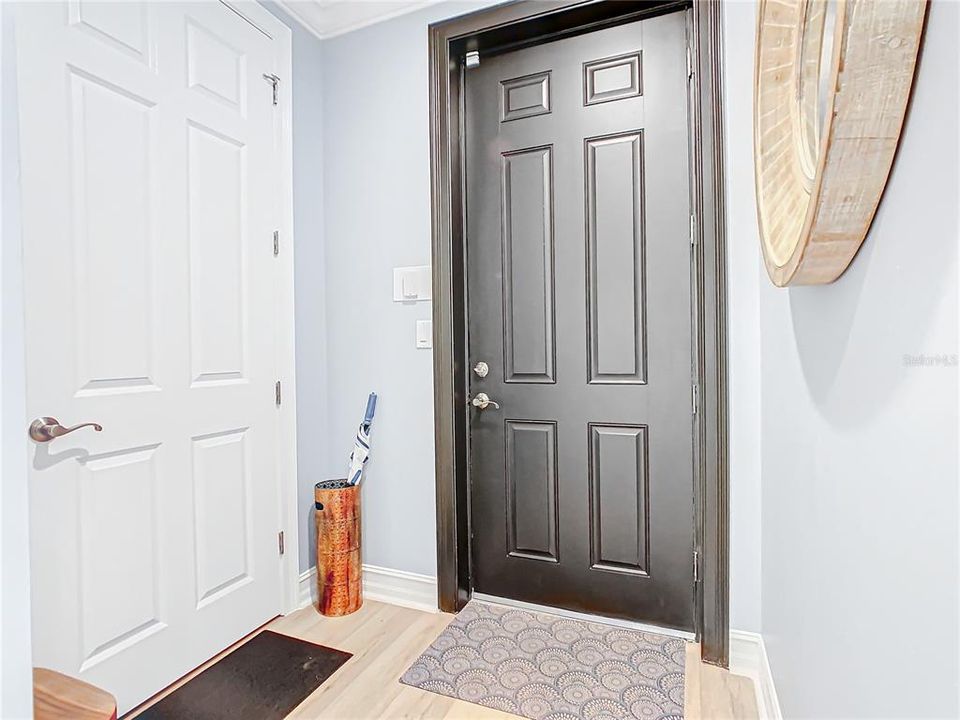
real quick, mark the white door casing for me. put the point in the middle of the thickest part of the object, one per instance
(153, 166)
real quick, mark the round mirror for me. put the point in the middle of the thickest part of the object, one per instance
(824, 139)
(813, 79)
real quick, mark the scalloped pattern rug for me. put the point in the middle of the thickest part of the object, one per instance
(546, 667)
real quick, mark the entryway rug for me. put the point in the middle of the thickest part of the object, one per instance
(263, 679)
(546, 667)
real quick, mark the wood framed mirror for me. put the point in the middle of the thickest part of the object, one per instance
(832, 83)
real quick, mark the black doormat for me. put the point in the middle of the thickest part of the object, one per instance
(263, 679)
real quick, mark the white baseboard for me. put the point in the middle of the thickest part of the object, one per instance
(400, 588)
(748, 657)
(307, 588)
(396, 587)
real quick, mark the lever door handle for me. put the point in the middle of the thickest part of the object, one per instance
(483, 401)
(45, 429)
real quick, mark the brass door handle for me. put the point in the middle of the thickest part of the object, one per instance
(45, 429)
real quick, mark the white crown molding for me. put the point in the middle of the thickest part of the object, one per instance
(395, 587)
(326, 19)
(290, 8)
(748, 657)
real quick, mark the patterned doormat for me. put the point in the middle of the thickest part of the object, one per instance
(546, 667)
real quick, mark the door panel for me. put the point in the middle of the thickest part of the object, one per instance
(216, 186)
(109, 486)
(124, 26)
(525, 96)
(149, 202)
(531, 469)
(615, 262)
(528, 288)
(579, 292)
(112, 183)
(221, 486)
(619, 499)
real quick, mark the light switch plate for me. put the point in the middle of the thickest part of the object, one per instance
(424, 334)
(411, 284)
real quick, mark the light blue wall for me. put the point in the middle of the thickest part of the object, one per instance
(361, 207)
(744, 268)
(313, 448)
(859, 450)
(377, 217)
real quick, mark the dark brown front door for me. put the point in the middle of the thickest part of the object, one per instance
(579, 304)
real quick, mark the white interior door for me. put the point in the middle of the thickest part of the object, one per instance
(150, 194)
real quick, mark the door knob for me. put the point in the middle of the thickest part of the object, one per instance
(483, 401)
(45, 429)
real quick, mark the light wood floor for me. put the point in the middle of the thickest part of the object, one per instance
(386, 639)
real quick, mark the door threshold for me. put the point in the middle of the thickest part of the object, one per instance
(585, 617)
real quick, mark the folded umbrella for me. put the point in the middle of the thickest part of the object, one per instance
(361, 446)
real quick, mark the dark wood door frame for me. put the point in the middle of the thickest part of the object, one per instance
(509, 27)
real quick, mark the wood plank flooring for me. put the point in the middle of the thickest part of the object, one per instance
(386, 639)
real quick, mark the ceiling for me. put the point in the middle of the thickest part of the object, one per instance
(327, 18)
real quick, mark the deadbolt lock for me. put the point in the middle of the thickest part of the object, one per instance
(481, 369)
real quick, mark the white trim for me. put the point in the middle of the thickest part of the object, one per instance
(286, 314)
(366, 22)
(16, 680)
(288, 6)
(585, 617)
(395, 587)
(281, 35)
(324, 30)
(306, 588)
(286, 305)
(748, 657)
(400, 588)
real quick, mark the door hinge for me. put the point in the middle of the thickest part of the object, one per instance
(279, 396)
(276, 243)
(693, 229)
(280, 541)
(696, 566)
(695, 399)
(275, 82)
(472, 60)
(689, 63)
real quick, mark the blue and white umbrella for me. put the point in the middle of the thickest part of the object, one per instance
(361, 446)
